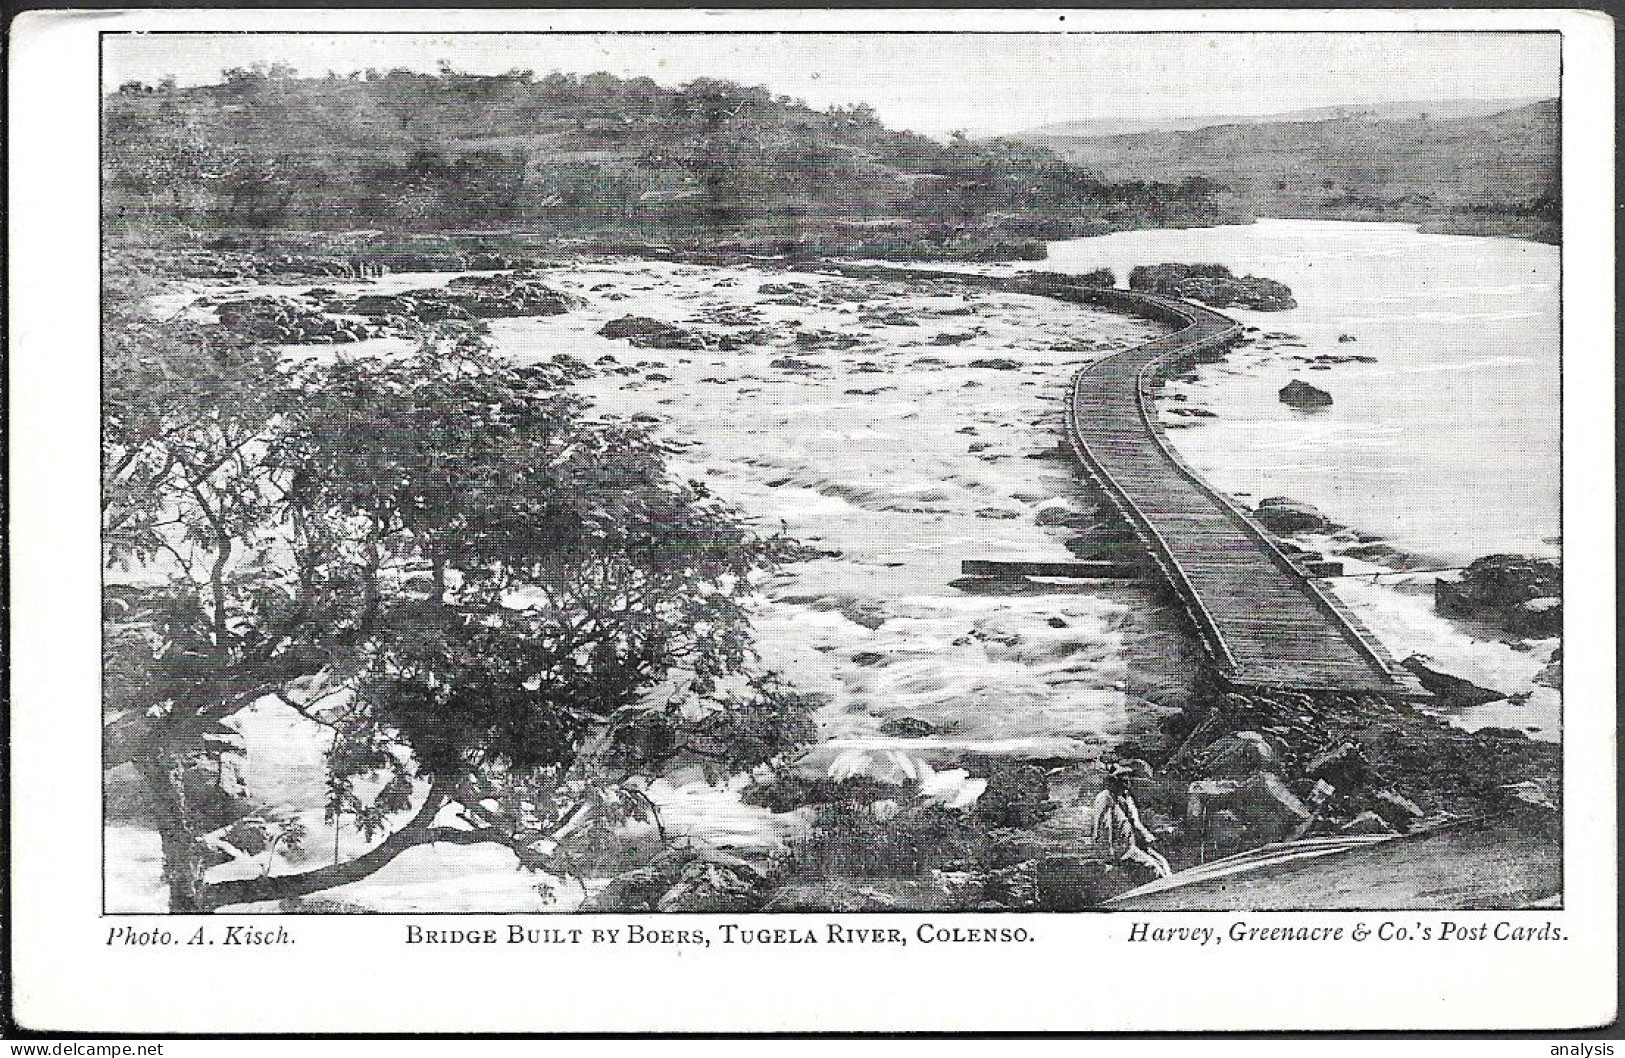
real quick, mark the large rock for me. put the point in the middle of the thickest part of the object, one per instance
(1518, 592)
(1263, 803)
(381, 305)
(467, 298)
(1279, 514)
(1077, 881)
(1213, 284)
(286, 321)
(1537, 617)
(1017, 795)
(1552, 674)
(1367, 822)
(1300, 394)
(689, 879)
(490, 297)
(1452, 691)
(1344, 767)
(1238, 756)
(647, 333)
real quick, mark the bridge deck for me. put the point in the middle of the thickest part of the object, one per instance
(1263, 621)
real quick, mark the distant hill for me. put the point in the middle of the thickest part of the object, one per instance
(592, 156)
(1405, 111)
(1490, 173)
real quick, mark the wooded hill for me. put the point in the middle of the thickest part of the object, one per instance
(593, 156)
(1469, 173)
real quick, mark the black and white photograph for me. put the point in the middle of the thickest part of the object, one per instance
(741, 476)
(705, 498)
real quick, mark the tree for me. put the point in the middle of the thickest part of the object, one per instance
(500, 604)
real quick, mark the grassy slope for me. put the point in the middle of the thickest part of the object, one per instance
(420, 153)
(1471, 174)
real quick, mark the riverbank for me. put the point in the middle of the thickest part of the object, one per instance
(257, 253)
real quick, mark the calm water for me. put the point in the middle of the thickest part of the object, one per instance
(1448, 445)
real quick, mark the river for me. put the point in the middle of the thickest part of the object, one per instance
(1447, 445)
(901, 428)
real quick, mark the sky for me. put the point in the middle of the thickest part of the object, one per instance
(980, 83)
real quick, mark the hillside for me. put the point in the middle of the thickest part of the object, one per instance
(1489, 174)
(1097, 125)
(592, 157)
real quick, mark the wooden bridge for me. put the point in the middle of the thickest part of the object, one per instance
(1264, 622)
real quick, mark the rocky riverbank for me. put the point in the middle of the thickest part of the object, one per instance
(1229, 772)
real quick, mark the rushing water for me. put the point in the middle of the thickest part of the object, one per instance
(1448, 445)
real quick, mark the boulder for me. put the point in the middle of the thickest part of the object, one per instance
(1262, 802)
(1496, 585)
(285, 320)
(467, 298)
(1300, 394)
(687, 879)
(490, 297)
(826, 340)
(1452, 691)
(639, 889)
(1344, 767)
(1519, 593)
(1075, 881)
(1552, 674)
(1213, 284)
(996, 363)
(1017, 795)
(1238, 756)
(716, 883)
(888, 318)
(647, 333)
(380, 305)
(1280, 514)
(1537, 617)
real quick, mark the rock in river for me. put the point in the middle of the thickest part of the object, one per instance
(1520, 593)
(1213, 284)
(647, 333)
(1452, 691)
(1300, 394)
(468, 297)
(286, 320)
(1279, 514)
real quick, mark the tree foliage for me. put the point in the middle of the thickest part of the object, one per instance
(503, 605)
(453, 151)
